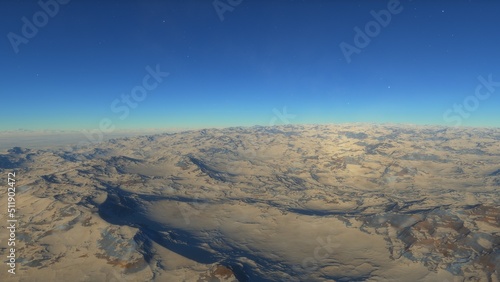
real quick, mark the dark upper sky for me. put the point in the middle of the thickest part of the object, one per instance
(325, 61)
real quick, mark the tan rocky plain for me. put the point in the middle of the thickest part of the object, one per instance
(353, 202)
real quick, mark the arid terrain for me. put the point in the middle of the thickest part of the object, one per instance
(353, 202)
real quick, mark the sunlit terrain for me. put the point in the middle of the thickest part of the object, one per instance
(245, 140)
(284, 203)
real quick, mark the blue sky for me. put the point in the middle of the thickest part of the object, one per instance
(263, 55)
